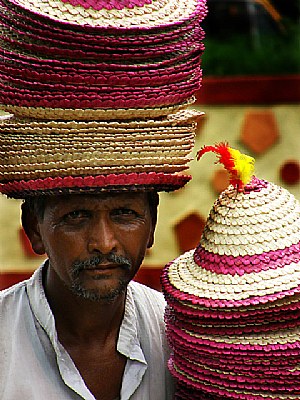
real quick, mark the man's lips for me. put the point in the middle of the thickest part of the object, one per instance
(103, 267)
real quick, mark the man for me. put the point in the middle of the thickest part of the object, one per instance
(99, 91)
(79, 327)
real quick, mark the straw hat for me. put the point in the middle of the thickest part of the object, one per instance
(100, 54)
(100, 92)
(48, 157)
(233, 315)
(121, 14)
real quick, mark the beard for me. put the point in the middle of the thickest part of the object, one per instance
(108, 294)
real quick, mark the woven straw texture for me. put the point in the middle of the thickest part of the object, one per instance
(37, 150)
(156, 70)
(100, 92)
(233, 302)
(134, 14)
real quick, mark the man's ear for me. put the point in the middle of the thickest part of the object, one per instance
(151, 236)
(30, 225)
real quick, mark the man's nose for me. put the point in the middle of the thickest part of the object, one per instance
(102, 237)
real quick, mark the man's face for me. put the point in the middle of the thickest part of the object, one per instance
(96, 243)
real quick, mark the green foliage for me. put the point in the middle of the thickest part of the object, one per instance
(269, 54)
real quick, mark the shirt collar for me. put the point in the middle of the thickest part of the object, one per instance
(40, 305)
(128, 341)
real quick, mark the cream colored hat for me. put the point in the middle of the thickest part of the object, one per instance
(54, 157)
(233, 315)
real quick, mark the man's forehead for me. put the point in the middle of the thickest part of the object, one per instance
(74, 199)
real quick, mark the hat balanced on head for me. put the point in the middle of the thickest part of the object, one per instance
(99, 90)
(233, 314)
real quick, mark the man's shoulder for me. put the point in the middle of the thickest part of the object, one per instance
(146, 295)
(11, 290)
(12, 293)
(140, 287)
(12, 302)
(149, 308)
(20, 288)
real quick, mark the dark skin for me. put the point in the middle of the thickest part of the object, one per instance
(77, 228)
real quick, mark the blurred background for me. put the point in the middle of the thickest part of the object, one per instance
(245, 37)
(251, 98)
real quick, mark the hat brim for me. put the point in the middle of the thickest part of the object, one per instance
(94, 184)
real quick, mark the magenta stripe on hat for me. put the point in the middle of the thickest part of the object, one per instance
(108, 4)
(104, 36)
(222, 264)
(181, 59)
(175, 340)
(215, 346)
(220, 303)
(191, 42)
(175, 65)
(275, 310)
(47, 74)
(75, 54)
(249, 381)
(241, 327)
(94, 101)
(199, 12)
(245, 362)
(21, 86)
(132, 179)
(212, 390)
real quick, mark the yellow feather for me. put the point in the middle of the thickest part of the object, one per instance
(244, 165)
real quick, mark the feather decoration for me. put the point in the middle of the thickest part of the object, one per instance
(240, 166)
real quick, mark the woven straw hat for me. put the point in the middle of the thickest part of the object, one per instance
(233, 315)
(100, 92)
(121, 14)
(47, 157)
(99, 55)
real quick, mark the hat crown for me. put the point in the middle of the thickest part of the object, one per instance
(262, 218)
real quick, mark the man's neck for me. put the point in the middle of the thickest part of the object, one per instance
(89, 331)
(82, 318)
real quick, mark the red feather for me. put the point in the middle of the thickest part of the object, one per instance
(222, 149)
(225, 158)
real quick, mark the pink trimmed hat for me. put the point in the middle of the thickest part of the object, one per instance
(133, 54)
(56, 157)
(99, 91)
(233, 314)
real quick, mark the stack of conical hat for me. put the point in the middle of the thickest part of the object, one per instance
(233, 315)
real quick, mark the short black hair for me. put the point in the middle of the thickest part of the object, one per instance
(153, 199)
(36, 205)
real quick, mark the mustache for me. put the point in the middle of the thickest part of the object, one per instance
(78, 266)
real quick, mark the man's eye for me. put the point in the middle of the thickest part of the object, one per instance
(76, 215)
(124, 212)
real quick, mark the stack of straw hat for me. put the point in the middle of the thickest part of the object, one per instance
(99, 90)
(233, 315)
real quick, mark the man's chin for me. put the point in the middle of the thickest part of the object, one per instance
(100, 295)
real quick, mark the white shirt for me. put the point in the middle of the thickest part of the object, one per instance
(35, 366)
